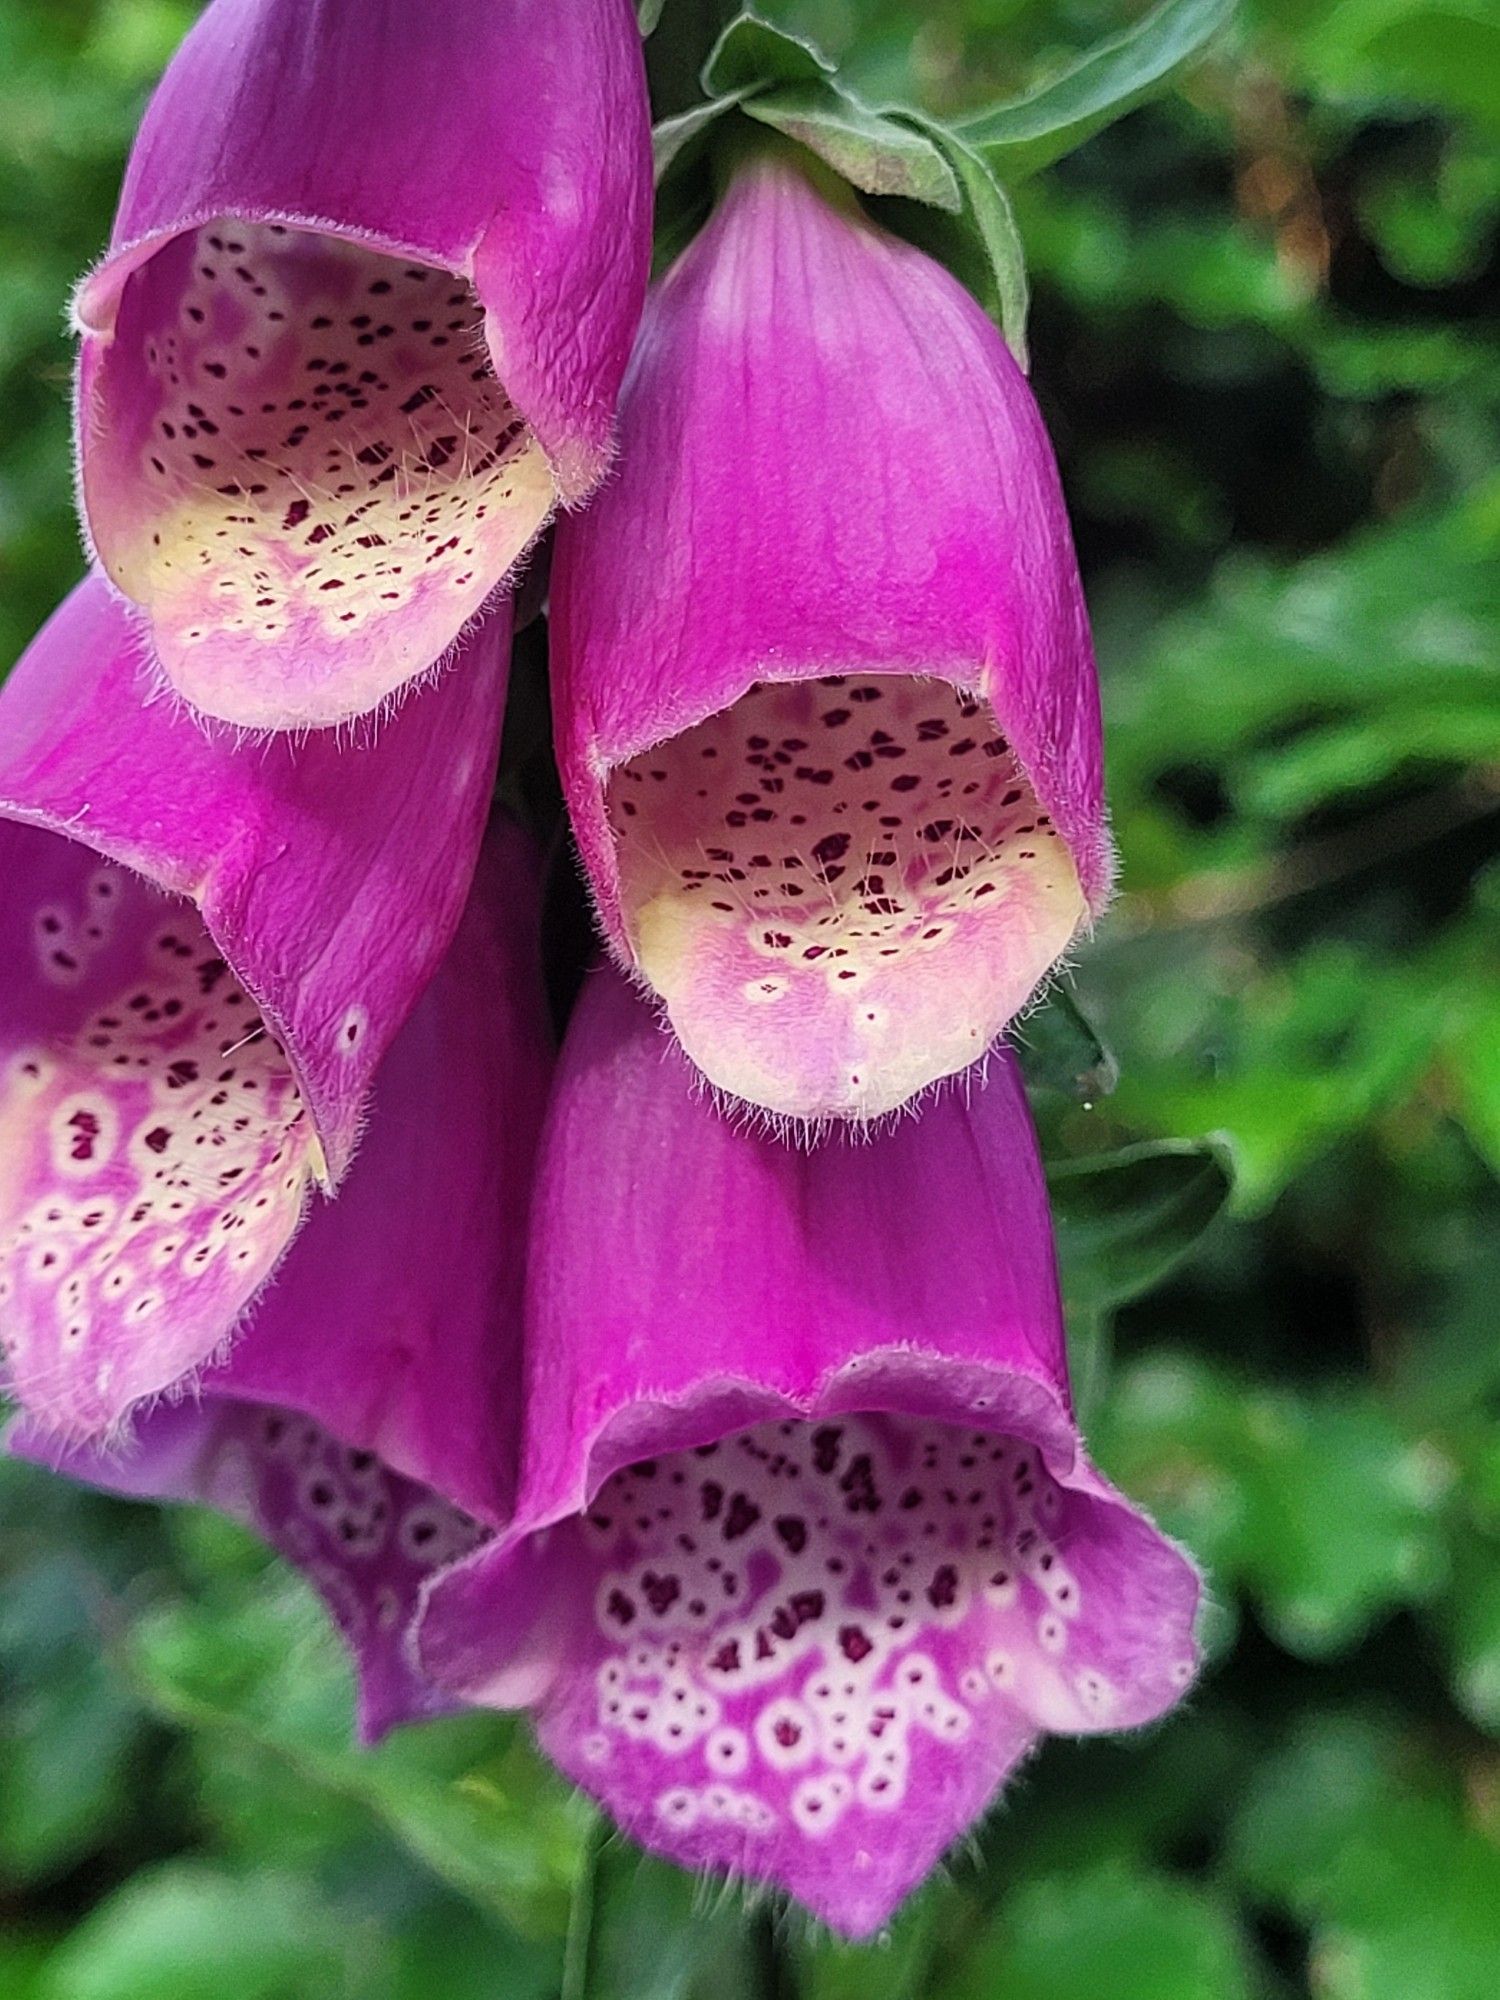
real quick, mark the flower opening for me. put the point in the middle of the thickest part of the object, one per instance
(841, 888)
(303, 466)
(157, 1152)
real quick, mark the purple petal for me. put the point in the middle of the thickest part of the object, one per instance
(366, 1538)
(807, 1551)
(378, 1371)
(412, 1277)
(826, 704)
(208, 948)
(370, 294)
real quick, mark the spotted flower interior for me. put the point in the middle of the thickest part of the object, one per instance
(843, 889)
(813, 1651)
(155, 1152)
(302, 464)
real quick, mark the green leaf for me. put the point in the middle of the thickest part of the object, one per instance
(443, 1950)
(1358, 755)
(1060, 1051)
(1446, 55)
(751, 55)
(785, 83)
(23, 1964)
(1120, 1800)
(1318, 1506)
(1474, 1055)
(1362, 1839)
(1111, 1931)
(648, 13)
(1342, 1522)
(1340, 1037)
(1091, 1353)
(898, 1969)
(1020, 137)
(188, 1931)
(1470, 1618)
(1125, 1219)
(65, 1760)
(71, 1737)
(258, 1670)
(1292, 1830)
(978, 241)
(994, 222)
(671, 138)
(875, 153)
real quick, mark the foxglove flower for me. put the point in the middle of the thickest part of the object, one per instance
(206, 947)
(827, 715)
(366, 1420)
(371, 289)
(806, 1552)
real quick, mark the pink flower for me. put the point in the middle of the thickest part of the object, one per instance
(206, 947)
(806, 1552)
(371, 290)
(826, 706)
(366, 1420)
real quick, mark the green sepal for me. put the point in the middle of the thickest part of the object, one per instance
(876, 153)
(980, 244)
(1060, 1051)
(782, 81)
(1030, 132)
(752, 55)
(925, 183)
(673, 137)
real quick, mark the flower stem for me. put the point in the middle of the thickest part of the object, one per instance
(576, 1945)
(775, 1979)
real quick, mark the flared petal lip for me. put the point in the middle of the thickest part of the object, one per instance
(576, 467)
(379, 1714)
(378, 1707)
(28, 1438)
(331, 1153)
(893, 1380)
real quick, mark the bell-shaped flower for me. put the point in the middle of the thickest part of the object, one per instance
(807, 1552)
(827, 713)
(206, 946)
(370, 293)
(366, 1421)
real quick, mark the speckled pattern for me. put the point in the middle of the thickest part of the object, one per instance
(818, 1648)
(317, 478)
(841, 888)
(157, 1155)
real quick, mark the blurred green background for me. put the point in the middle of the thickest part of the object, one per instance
(1264, 333)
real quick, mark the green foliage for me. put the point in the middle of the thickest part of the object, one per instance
(196, 1931)
(1319, 1506)
(246, 1665)
(1263, 332)
(1336, 1829)
(644, 1931)
(1110, 1930)
(1021, 137)
(73, 78)
(1061, 1051)
(1125, 1220)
